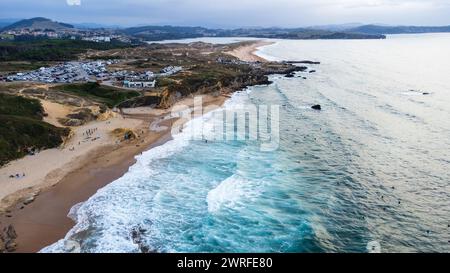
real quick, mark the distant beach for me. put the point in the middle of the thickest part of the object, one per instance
(248, 52)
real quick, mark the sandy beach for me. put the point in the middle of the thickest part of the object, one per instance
(247, 52)
(36, 205)
(57, 179)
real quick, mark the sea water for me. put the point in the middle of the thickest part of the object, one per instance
(370, 169)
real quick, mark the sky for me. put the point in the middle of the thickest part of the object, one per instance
(232, 13)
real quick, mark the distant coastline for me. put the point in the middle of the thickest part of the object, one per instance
(248, 52)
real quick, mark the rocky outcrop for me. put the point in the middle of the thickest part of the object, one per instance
(85, 115)
(7, 239)
(302, 62)
(221, 83)
(124, 134)
(137, 235)
(282, 69)
(317, 107)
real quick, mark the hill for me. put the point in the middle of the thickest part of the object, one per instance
(157, 33)
(22, 128)
(37, 23)
(376, 29)
(336, 27)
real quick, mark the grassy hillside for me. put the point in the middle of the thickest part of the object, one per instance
(20, 106)
(110, 96)
(15, 67)
(21, 128)
(50, 49)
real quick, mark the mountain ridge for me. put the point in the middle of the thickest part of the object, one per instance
(377, 29)
(169, 32)
(156, 33)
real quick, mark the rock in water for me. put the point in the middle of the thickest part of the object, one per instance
(290, 75)
(137, 235)
(317, 107)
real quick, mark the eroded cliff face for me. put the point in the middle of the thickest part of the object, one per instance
(167, 98)
(225, 84)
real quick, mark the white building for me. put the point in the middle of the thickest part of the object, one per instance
(97, 39)
(139, 84)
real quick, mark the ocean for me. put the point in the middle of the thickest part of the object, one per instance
(370, 172)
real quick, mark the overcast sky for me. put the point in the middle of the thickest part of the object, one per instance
(232, 13)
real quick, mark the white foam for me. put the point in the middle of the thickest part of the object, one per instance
(230, 193)
(262, 52)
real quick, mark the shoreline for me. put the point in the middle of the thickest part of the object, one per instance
(45, 220)
(247, 53)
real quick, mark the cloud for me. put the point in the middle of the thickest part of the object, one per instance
(233, 13)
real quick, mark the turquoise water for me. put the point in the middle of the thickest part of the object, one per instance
(372, 166)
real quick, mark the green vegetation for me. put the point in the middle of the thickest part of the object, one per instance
(20, 106)
(111, 96)
(50, 49)
(106, 57)
(7, 36)
(206, 76)
(22, 128)
(156, 33)
(22, 66)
